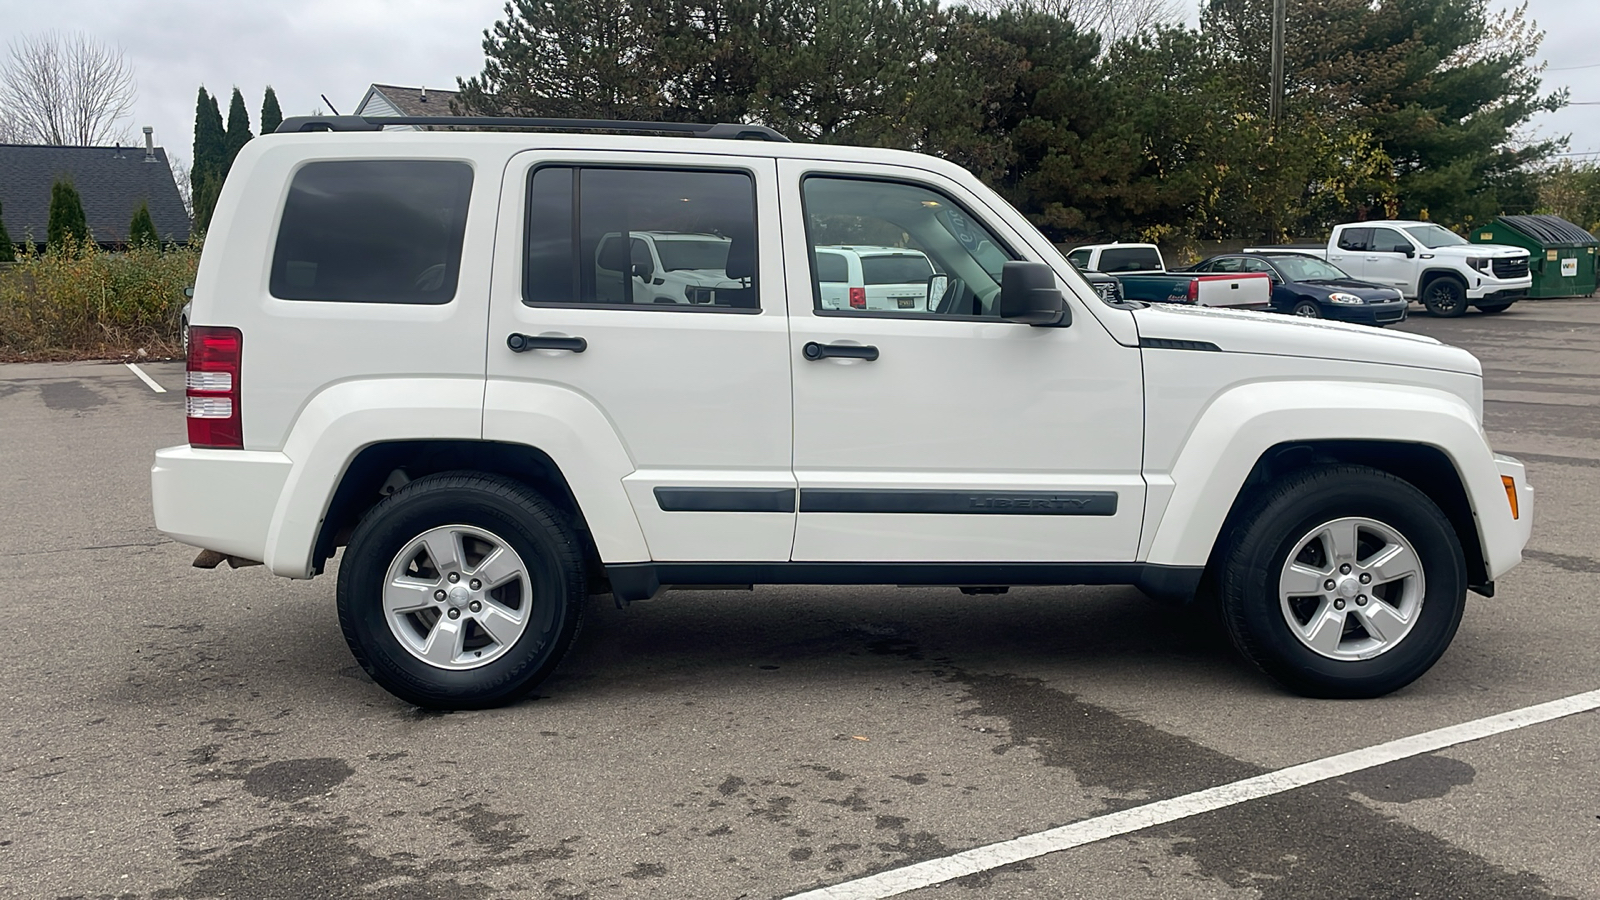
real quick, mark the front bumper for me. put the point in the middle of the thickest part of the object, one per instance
(1499, 559)
(1368, 313)
(1506, 296)
(222, 500)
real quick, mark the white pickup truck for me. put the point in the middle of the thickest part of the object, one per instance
(1143, 276)
(442, 389)
(1426, 262)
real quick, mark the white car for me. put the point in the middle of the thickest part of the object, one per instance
(877, 278)
(1426, 262)
(402, 352)
(663, 267)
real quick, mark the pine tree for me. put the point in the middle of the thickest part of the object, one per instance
(142, 230)
(271, 115)
(210, 154)
(7, 252)
(67, 226)
(238, 133)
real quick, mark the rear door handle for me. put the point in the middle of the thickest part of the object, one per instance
(522, 342)
(815, 351)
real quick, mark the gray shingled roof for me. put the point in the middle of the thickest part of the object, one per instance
(417, 101)
(111, 181)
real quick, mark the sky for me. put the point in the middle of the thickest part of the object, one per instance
(309, 48)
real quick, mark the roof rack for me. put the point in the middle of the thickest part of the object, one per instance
(724, 130)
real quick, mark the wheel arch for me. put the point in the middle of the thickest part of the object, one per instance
(1428, 437)
(1425, 467)
(1429, 276)
(379, 469)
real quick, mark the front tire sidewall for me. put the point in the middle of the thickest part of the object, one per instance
(513, 514)
(1250, 583)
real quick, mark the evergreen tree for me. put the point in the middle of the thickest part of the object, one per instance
(67, 225)
(238, 133)
(8, 252)
(142, 230)
(210, 156)
(271, 115)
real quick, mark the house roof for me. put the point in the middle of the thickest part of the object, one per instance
(112, 182)
(393, 100)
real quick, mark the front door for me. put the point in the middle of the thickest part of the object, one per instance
(939, 433)
(678, 357)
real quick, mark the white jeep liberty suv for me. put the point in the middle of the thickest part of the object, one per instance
(404, 344)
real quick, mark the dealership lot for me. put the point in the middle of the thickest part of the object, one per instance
(173, 733)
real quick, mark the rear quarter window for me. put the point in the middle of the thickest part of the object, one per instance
(895, 269)
(372, 231)
(832, 268)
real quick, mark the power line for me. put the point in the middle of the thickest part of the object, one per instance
(1570, 68)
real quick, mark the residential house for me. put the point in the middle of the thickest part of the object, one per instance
(112, 181)
(387, 100)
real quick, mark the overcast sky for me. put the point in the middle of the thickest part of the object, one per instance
(307, 48)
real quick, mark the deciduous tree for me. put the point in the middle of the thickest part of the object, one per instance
(65, 89)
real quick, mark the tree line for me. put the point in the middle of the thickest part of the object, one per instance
(1415, 108)
(216, 146)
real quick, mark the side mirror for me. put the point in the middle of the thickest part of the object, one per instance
(1409, 252)
(1028, 295)
(643, 270)
(189, 292)
(938, 286)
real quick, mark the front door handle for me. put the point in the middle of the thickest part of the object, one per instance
(815, 351)
(521, 342)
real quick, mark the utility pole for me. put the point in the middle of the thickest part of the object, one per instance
(1275, 103)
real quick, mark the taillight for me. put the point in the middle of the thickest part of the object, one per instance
(211, 387)
(1194, 289)
(858, 298)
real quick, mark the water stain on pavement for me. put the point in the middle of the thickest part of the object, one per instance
(70, 395)
(289, 780)
(1426, 777)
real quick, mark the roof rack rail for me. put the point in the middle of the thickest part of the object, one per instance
(724, 130)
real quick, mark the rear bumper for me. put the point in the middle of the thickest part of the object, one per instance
(222, 500)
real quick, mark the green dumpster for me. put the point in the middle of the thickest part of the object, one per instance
(1561, 255)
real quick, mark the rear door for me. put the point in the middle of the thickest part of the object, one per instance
(1391, 261)
(698, 392)
(1349, 250)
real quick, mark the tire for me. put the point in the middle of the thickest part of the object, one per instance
(1307, 309)
(1445, 296)
(509, 630)
(1490, 309)
(1402, 624)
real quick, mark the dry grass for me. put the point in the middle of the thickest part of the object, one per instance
(87, 303)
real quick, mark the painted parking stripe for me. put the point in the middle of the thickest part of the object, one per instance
(993, 856)
(145, 378)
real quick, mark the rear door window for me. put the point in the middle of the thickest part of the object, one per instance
(1357, 239)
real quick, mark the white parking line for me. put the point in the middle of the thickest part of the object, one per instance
(146, 378)
(982, 859)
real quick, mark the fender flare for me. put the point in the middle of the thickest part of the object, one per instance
(346, 418)
(1187, 507)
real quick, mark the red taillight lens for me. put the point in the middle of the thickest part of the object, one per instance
(858, 298)
(211, 395)
(1194, 289)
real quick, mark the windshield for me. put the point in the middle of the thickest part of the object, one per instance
(906, 269)
(707, 254)
(1304, 268)
(1432, 236)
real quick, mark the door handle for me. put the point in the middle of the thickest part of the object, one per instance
(521, 342)
(815, 351)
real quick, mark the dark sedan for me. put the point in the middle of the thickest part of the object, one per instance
(1306, 286)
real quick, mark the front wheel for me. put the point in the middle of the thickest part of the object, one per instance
(1307, 309)
(1343, 582)
(1445, 296)
(461, 591)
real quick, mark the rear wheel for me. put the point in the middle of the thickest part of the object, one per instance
(461, 591)
(1445, 296)
(1343, 582)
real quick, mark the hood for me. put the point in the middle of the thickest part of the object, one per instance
(1492, 251)
(1275, 334)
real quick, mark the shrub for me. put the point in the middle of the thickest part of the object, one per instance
(80, 302)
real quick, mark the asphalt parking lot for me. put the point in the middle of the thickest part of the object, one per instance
(178, 733)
